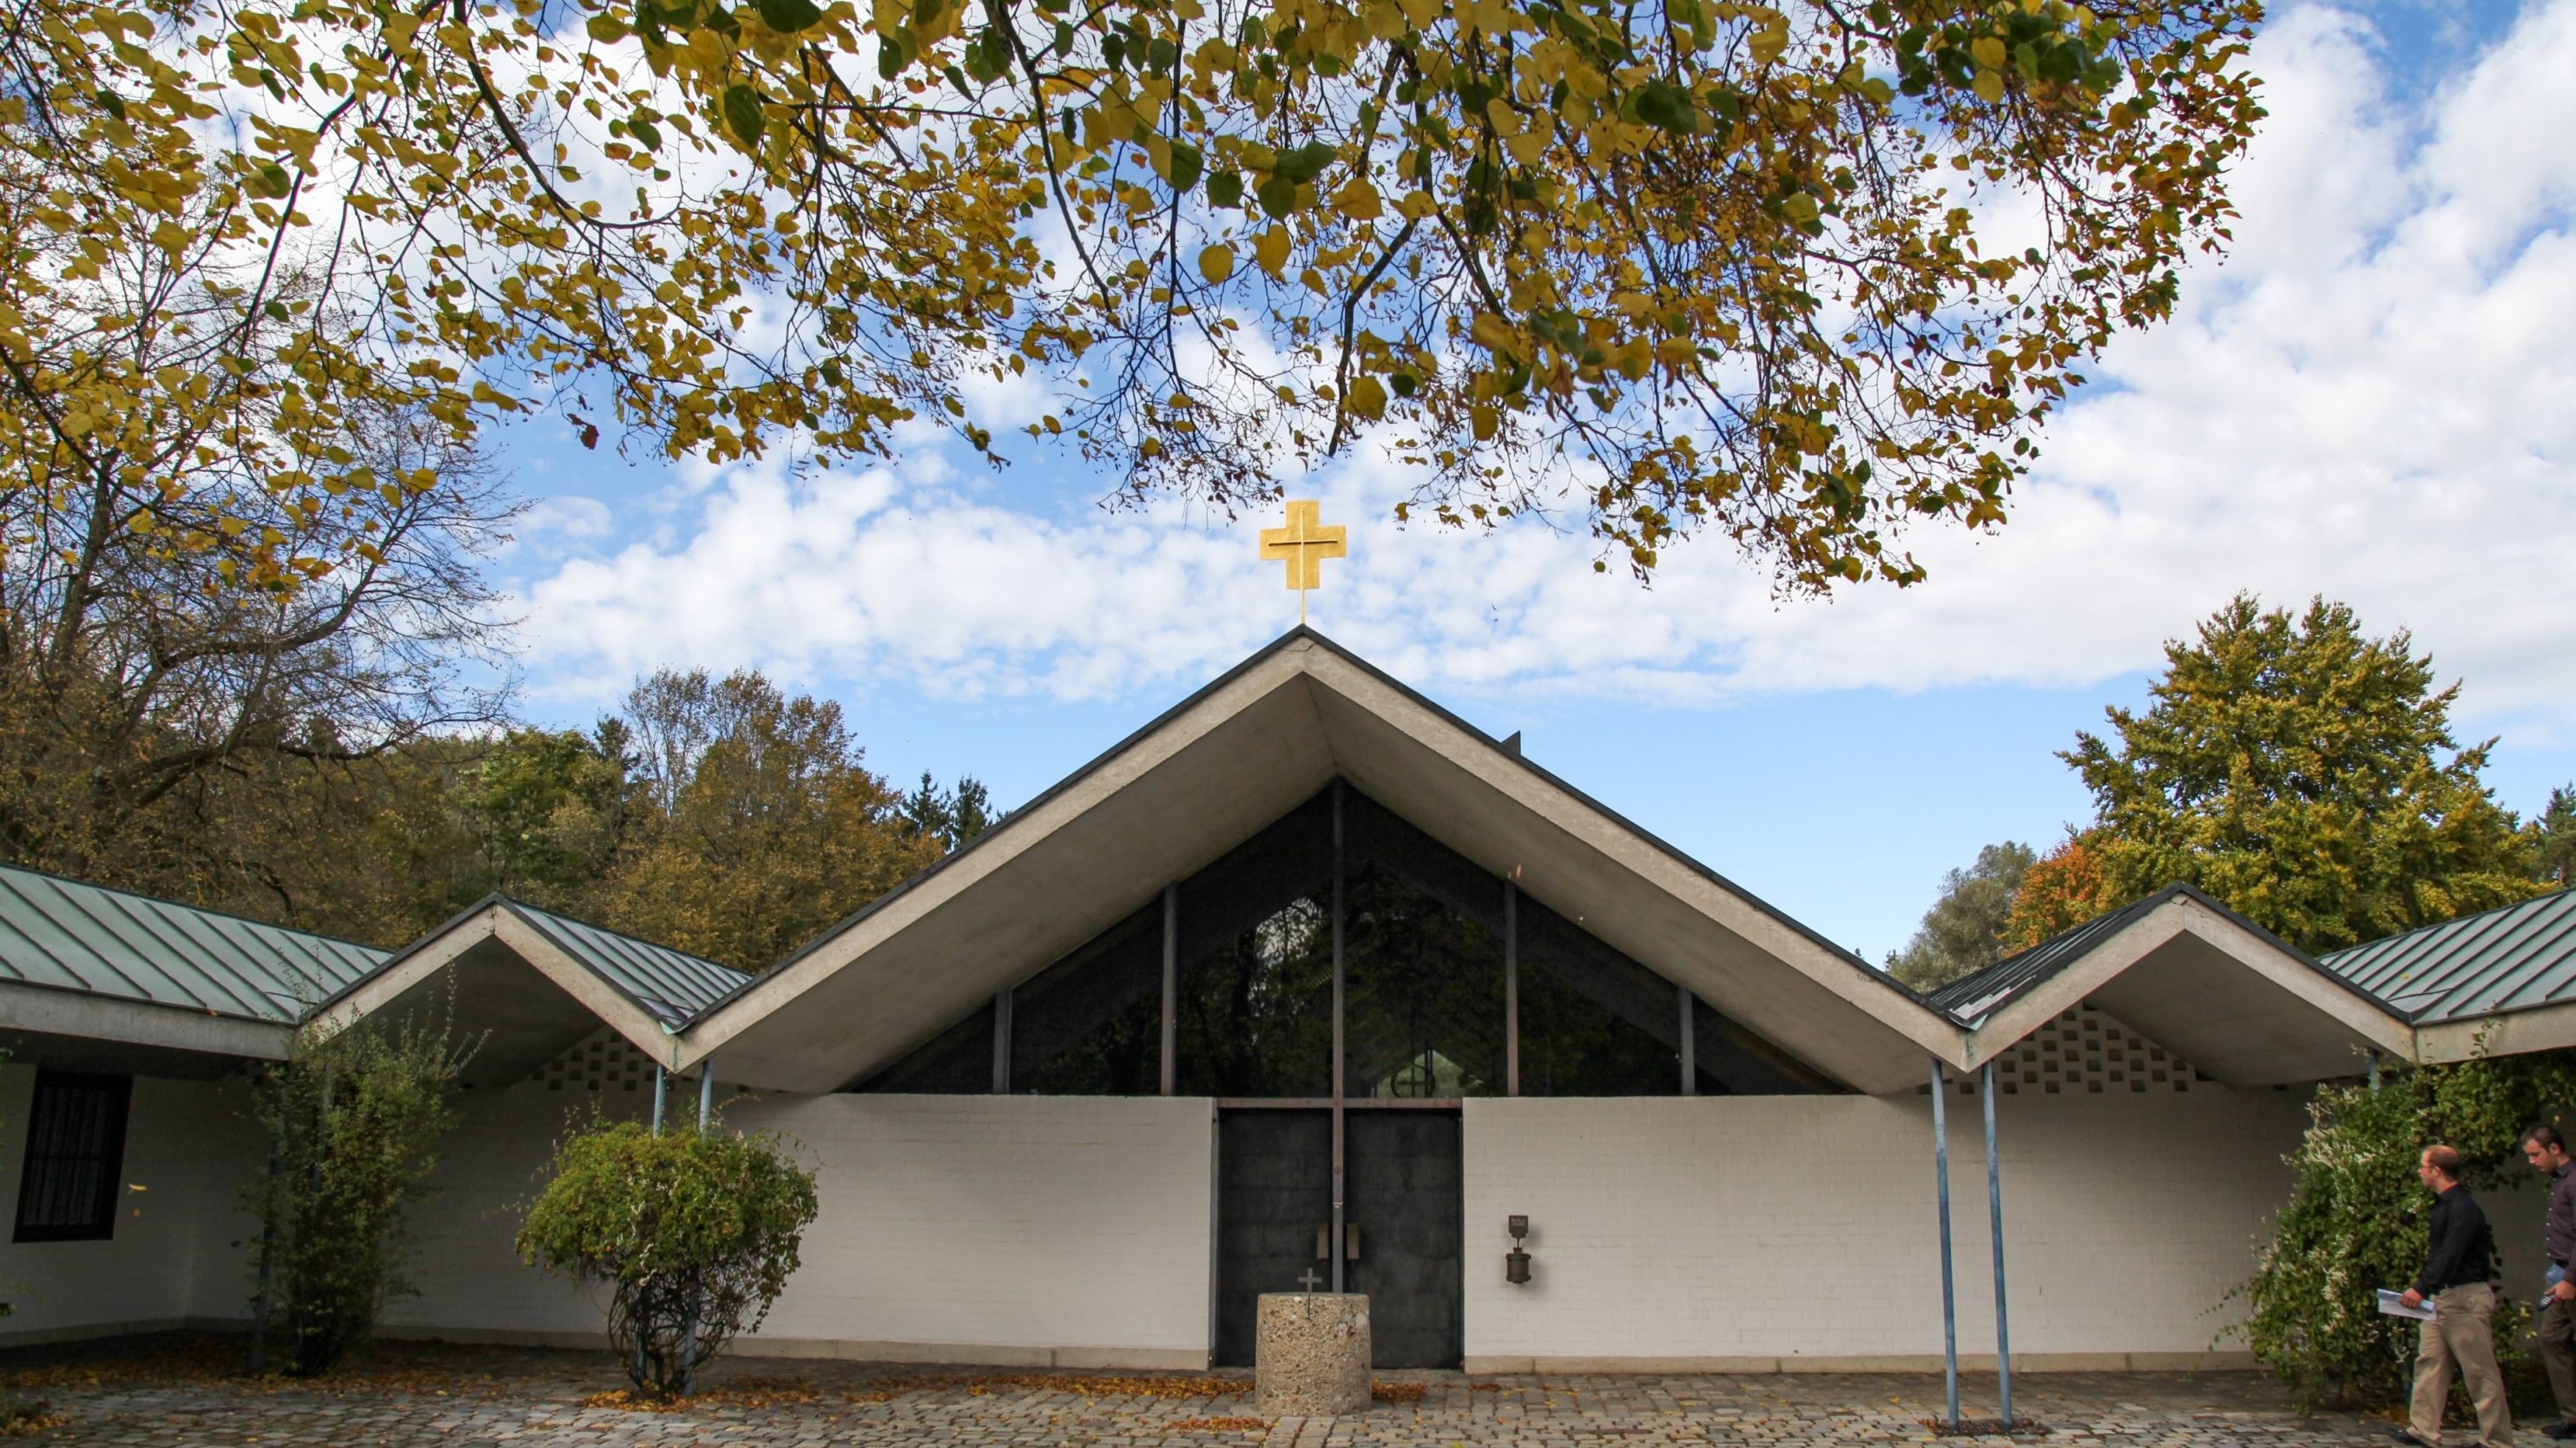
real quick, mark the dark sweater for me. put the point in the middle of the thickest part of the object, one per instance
(2463, 1249)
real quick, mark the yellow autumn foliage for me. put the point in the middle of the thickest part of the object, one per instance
(709, 227)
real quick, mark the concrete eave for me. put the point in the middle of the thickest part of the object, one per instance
(513, 986)
(2237, 1004)
(83, 1015)
(2506, 1033)
(1634, 892)
(1194, 784)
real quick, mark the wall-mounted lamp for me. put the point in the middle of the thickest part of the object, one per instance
(1516, 1261)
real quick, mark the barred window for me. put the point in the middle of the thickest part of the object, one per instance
(75, 1151)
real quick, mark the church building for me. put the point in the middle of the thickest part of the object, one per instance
(1308, 984)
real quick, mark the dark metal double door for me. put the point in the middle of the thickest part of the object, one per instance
(1404, 1196)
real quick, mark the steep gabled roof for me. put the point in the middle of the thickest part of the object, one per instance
(69, 935)
(80, 961)
(2195, 977)
(533, 983)
(671, 984)
(1209, 774)
(1979, 994)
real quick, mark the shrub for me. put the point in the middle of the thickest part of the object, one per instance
(354, 1118)
(2357, 1220)
(694, 1234)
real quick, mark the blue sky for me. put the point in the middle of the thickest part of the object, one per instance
(2371, 400)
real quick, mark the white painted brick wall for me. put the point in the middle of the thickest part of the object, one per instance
(1019, 1220)
(1804, 1226)
(171, 1255)
(1079, 1230)
(1046, 1223)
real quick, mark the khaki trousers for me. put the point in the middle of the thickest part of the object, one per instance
(2558, 1352)
(2460, 1334)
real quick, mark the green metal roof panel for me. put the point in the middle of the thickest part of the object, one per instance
(1980, 994)
(674, 985)
(70, 935)
(2500, 960)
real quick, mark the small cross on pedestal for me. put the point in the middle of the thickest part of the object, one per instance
(1310, 1280)
(1304, 545)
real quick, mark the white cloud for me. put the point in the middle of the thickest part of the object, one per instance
(2371, 400)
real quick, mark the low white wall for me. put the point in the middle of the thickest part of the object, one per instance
(1800, 1232)
(1014, 1229)
(1790, 1232)
(173, 1255)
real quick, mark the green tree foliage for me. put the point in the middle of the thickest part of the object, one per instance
(548, 810)
(154, 718)
(766, 829)
(1696, 266)
(2304, 773)
(721, 816)
(2554, 838)
(1964, 931)
(2357, 1218)
(952, 816)
(357, 1117)
(367, 849)
(694, 1235)
(2061, 890)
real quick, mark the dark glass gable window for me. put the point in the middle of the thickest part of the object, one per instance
(1447, 976)
(75, 1152)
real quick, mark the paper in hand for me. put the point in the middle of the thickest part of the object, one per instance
(2394, 1304)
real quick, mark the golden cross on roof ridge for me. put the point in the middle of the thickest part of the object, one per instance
(1304, 545)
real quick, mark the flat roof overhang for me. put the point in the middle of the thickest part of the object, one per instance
(73, 1030)
(1180, 793)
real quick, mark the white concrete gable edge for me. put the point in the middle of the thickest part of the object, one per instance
(1962, 1043)
(2186, 910)
(497, 917)
(1304, 651)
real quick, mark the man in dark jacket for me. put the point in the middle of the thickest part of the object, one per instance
(2546, 1150)
(2458, 1271)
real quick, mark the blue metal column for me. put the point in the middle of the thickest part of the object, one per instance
(706, 1093)
(1941, 1193)
(1511, 989)
(661, 1088)
(1995, 1215)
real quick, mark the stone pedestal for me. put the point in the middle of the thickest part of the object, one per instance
(1311, 1354)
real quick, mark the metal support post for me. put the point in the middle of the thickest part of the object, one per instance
(1941, 1194)
(661, 1087)
(689, 1324)
(1995, 1215)
(1511, 989)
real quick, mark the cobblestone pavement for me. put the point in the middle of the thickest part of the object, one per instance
(449, 1396)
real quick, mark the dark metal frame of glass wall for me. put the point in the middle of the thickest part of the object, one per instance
(1343, 958)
